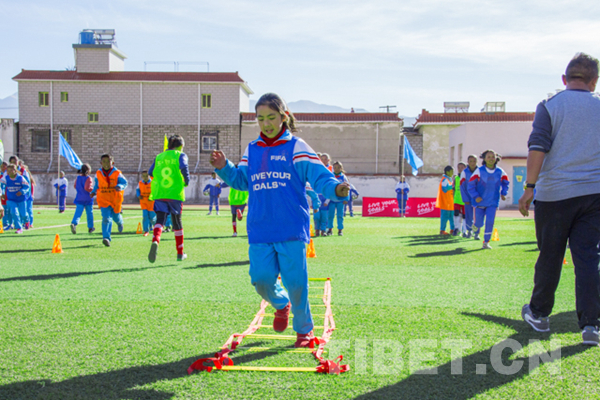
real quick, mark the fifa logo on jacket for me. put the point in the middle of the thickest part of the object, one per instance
(278, 158)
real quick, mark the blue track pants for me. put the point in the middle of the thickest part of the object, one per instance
(79, 212)
(336, 206)
(445, 217)
(489, 214)
(108, 215)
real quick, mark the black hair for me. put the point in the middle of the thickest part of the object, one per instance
(84, 170)
(447, 169)
(110, 157)
(176, 141)
(13, 158)
(582, 66)
(341, 166)
(276, 103)
(498, 156)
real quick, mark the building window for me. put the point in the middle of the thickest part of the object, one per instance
(44, 99)
(209, 141)
(207, 101)
(40, 141)
(92, 117)
(64, 97)
(67, 136)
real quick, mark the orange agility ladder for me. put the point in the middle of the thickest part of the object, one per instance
(222, 361)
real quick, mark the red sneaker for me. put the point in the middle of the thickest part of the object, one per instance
(280, 322)
(306, 340)
(444, 233)
(146, 233)
(239, 215)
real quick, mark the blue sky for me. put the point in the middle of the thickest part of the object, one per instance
(414, 54)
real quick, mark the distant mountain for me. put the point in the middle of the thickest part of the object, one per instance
(312, 107)
(9, 107)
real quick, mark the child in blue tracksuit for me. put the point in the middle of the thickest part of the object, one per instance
(402, 189)
(83, 201)
(315, 203)
(353, 195)
(61, 192)
(6, 219)
(487, 184)
(213, 189)
(17, 190)
(274, 170)
(465, 176)
(321, 217)
(337, 205)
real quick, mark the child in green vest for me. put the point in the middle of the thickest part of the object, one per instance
(459, 205)
(237, 202)
(170, 175)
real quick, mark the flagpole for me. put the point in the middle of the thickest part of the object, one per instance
(402, 174)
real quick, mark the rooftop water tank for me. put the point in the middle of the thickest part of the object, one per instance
(87, 37)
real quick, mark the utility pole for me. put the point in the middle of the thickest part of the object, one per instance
(387, 108)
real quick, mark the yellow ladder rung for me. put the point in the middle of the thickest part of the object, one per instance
(273, 337)
(277, 349)
(317, 287)
(315, 296)
(269, 369)
(289, 327)
(319, 279)
(291, 315)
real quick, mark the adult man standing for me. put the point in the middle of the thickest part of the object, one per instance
(563, 165)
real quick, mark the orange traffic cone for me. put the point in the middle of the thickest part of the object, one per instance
(139, 228)
(57, 247)
(310, 251)
(312, 231)
(495, 236)
(1, 228)
(565, 261)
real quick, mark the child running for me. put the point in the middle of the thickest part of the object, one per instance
(402, 189)
(17, 188)
(274, 170)
(213, 188)
(143, 194)
(61, 192)
(84, 184)
(315, 202)
(487, 185)
(109, 187)
(237, 202)
(171, 175)
(445, 200)
(337, 206)
(464, 192)
(353, 196)
(459, 205)
(321, 216)
(6, 219)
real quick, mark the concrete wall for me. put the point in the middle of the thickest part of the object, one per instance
(92, 60)
(118, 103)
(354, 144)
(436, 142)
(8, 135)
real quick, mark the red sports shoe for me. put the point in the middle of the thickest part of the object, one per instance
(280, 322)
(306, 340)
(239, 215)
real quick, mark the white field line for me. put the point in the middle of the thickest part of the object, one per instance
(62, 226)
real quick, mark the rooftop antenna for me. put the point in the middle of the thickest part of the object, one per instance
(176, 64)
(387, 108)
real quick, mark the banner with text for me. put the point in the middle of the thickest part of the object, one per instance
(388, 207)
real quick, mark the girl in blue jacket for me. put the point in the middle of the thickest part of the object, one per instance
(274, 170)
(487, 185)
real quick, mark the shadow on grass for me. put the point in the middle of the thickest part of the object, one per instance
(76, 274)
(48, 249)
(215, 237)
(455, 252)
(519, 244)
(428, 240)
(229, 264)
(442, 383)
(118, 384)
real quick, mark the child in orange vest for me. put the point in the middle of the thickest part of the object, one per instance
(445, 200)
(143, 193)
(108, 187)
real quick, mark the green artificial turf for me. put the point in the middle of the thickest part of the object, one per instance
(104, 323)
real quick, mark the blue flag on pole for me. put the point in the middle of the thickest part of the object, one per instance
(412, 158)
(67, 152)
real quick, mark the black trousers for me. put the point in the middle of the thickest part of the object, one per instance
(578, 221)
(161, 218)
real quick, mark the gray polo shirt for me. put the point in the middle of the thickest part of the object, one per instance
(567, 128)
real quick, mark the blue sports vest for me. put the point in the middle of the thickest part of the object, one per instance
(83, 196)
(13, 186)
(277, 205)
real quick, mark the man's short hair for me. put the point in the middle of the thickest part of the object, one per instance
(582, 66)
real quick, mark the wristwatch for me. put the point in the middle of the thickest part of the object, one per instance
(529, 185)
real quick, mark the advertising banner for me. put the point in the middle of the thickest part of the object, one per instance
(388, 207)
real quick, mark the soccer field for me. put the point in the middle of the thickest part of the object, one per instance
(418, 316)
